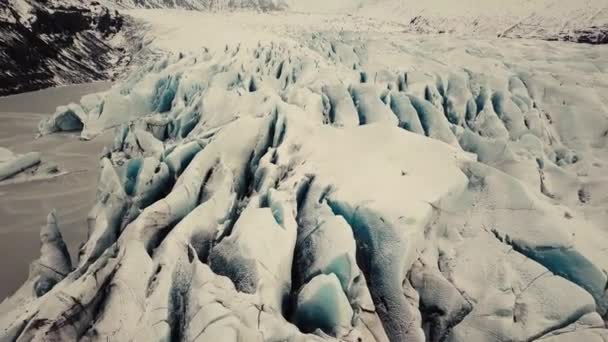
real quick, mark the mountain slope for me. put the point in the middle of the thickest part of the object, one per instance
(204, 5)
(47, 43)
(579, 21)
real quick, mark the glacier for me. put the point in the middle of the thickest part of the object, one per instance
(336, 185)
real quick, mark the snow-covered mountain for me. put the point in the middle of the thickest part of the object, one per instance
(578, 21)
(48, 43)
(204, 5)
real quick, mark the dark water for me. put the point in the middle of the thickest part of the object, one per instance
(24, 206)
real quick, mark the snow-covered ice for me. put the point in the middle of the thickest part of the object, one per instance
(336, 178)
(11, 164)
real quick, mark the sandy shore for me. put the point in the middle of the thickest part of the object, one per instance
(24, 206)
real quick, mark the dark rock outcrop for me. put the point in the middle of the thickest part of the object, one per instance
(45, 43)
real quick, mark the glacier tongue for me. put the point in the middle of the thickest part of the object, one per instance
(303, 190)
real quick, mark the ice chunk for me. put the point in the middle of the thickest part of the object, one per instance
(422, 84)
(139, 142)
(178, 158)
(487, 122)
(146, 181)
(158, 125)
(588, 328)
(6, 155)
(510, 114)
(257, 256)
(164, 93)
(381, 253)
(370, 108)
(406, 113)
(342, 109)
(457, 98)
(433, 121)
(54, 254)
(66, 118)
(570, 264)
(441, 304)
(314, 104)
(105, 218)
(12, 164)
(331, 249)
(323, 305)
(518, 295)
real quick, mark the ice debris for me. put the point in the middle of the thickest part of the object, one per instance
(11, 164)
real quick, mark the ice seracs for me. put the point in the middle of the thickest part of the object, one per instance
(323, 305)
(314, 189)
